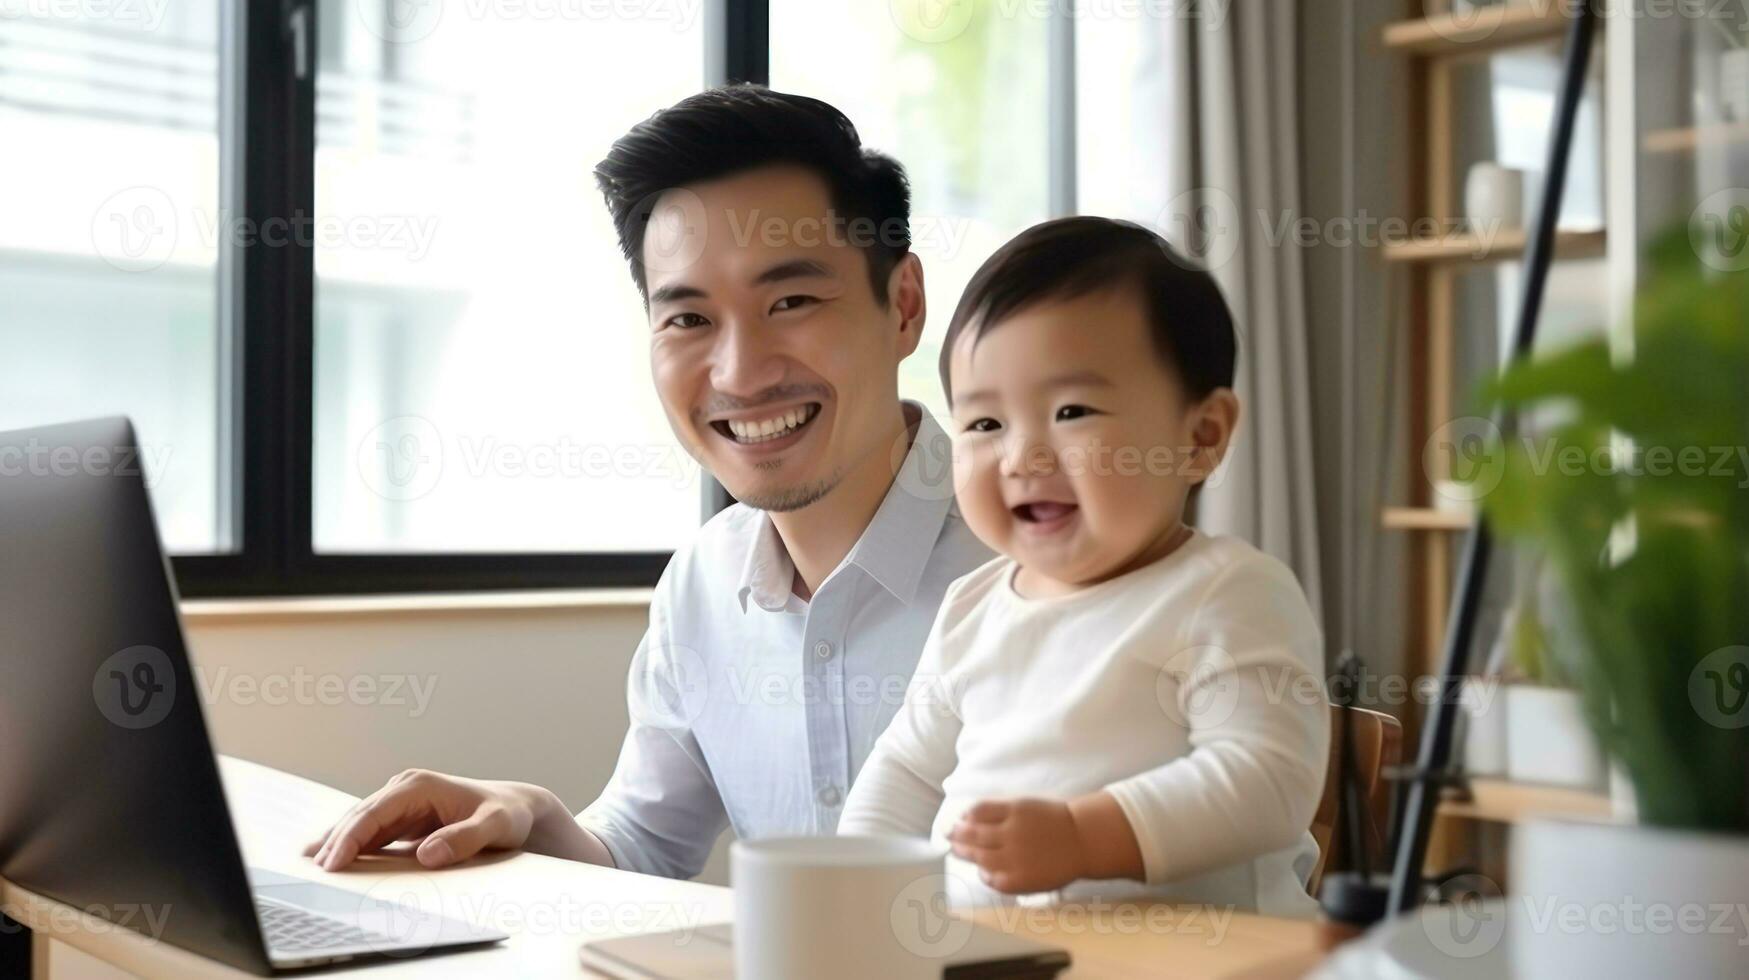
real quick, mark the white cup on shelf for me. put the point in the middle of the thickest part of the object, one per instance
(1494, 198)
(1734, 85)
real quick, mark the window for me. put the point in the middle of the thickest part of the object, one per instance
(1124, 94)
(959, 97)
(109, 192)
(1524, 88)
(477, 336)
(344, 263)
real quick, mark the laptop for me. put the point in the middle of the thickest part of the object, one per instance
(110, 797)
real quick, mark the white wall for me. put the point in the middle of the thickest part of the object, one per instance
(526, 693)
(531, 691)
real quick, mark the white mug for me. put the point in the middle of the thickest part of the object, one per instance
(848, 908)
(1494, 197)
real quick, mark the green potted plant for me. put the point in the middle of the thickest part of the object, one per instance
(1635, 486)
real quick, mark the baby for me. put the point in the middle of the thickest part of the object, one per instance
(1117, 707)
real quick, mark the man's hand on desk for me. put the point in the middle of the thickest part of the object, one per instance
(454, 819)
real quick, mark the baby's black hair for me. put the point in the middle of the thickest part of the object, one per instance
(1070, 257)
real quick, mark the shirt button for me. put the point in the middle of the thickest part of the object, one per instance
(829, 796)
(823, 650)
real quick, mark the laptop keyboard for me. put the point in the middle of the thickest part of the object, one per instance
(292, 930)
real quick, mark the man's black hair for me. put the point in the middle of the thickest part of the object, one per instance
(1070, 257)
(724, 131)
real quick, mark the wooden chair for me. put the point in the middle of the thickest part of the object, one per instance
(1378, 745)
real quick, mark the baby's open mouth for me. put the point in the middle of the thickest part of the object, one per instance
(751, 432)
(1043, 512)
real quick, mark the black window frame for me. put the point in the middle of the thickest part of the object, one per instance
(267, 146)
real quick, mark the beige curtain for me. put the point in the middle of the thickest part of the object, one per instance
(1234, 178)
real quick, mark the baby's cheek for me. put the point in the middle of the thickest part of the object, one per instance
(970, 469)
(980, 502)
(1118, 515)
(1101, 493)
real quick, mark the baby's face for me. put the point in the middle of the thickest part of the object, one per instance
(1075, 446)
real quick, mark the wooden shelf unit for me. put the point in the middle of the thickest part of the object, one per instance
(1427, 519)
(1477, 832)
(1501, 801)
(1688, 139)
(1488, 29)
(1501, 246)
(1436, 46)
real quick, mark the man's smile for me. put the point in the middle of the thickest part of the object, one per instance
(767, 426)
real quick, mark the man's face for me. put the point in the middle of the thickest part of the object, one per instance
(775, 361)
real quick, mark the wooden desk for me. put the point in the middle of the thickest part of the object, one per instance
(551, 907)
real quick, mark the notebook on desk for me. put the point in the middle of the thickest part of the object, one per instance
(708, 953)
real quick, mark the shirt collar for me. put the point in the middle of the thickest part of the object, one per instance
(769, 577)
(895, 547)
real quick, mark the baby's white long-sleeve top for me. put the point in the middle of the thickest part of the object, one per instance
(1191, 690)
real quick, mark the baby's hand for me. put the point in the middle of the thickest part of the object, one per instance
(1021, 846)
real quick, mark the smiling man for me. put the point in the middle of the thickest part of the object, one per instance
(773, 253)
